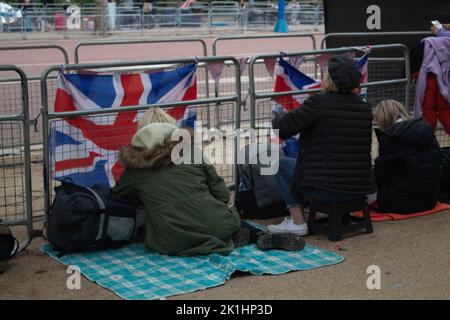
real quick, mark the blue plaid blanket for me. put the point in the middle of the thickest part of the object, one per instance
(133, 272)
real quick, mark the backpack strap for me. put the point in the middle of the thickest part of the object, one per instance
(104, 218)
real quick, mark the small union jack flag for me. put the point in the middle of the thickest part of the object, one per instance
(187, 4)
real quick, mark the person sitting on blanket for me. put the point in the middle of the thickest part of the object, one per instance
(334, 155)
(186, 204)
(408, 168)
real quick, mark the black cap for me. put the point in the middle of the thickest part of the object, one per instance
(344, 72)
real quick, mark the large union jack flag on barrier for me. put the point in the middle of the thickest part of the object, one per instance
(289, 78)
(84, 149)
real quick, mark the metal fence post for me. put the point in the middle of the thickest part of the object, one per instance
(252, 92)
(104, 22)
(27, 158)
(45, 145)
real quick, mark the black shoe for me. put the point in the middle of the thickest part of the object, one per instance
(241, 237)
(281, 241)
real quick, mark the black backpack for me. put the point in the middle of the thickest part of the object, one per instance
(8, 247)
(84, 219)
(257, 196)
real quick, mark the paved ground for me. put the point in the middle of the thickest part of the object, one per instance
(412, 255)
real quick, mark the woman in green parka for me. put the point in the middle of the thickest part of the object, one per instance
(186, 204)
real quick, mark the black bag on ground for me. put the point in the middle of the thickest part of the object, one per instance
(445, 177)
(257, 196)
(83, 219)
(8, 247)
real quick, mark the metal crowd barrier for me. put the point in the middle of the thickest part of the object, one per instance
(261, 36)
(262, 94)
(209, 16)
(176, 40)
(33, 81)
(51, 119)
(389, 66)
(263, 15)
(365, 36)
(260, 70)
(16, 207)
(202, 77)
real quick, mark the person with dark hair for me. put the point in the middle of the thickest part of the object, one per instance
(334, 157)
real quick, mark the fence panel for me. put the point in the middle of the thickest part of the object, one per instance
(53, 54)
(260, 72)
(160, 17)
(37, 56)
(382, 68)
(199, 16)
(52, 120)
(200, 49)
(381, 85)
(15, 166)
(364, 38)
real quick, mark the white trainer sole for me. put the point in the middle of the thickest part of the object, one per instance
(278, 231)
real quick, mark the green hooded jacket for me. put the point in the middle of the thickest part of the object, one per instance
(186, 204)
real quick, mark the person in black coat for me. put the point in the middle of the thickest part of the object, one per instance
(335, 126)
(408, 168)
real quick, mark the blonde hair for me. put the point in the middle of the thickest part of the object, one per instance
(328, 85)
(387, 112)
(156, 115)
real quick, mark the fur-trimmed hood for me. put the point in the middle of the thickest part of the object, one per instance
(140, 158)
(151, 147)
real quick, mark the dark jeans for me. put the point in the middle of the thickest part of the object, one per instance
(284, 178)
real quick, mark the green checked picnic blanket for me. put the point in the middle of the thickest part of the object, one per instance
(133, 272)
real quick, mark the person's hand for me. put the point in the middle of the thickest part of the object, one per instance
(446, 26)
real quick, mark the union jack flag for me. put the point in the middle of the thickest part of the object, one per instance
(84, 149)
(289, 78)
(187, 4)
(363, 65)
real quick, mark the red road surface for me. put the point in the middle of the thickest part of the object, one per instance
(34, 61)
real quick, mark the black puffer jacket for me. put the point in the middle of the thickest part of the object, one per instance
(408, 168)
(335, 143)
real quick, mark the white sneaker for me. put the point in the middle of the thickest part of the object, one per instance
(288, 226)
